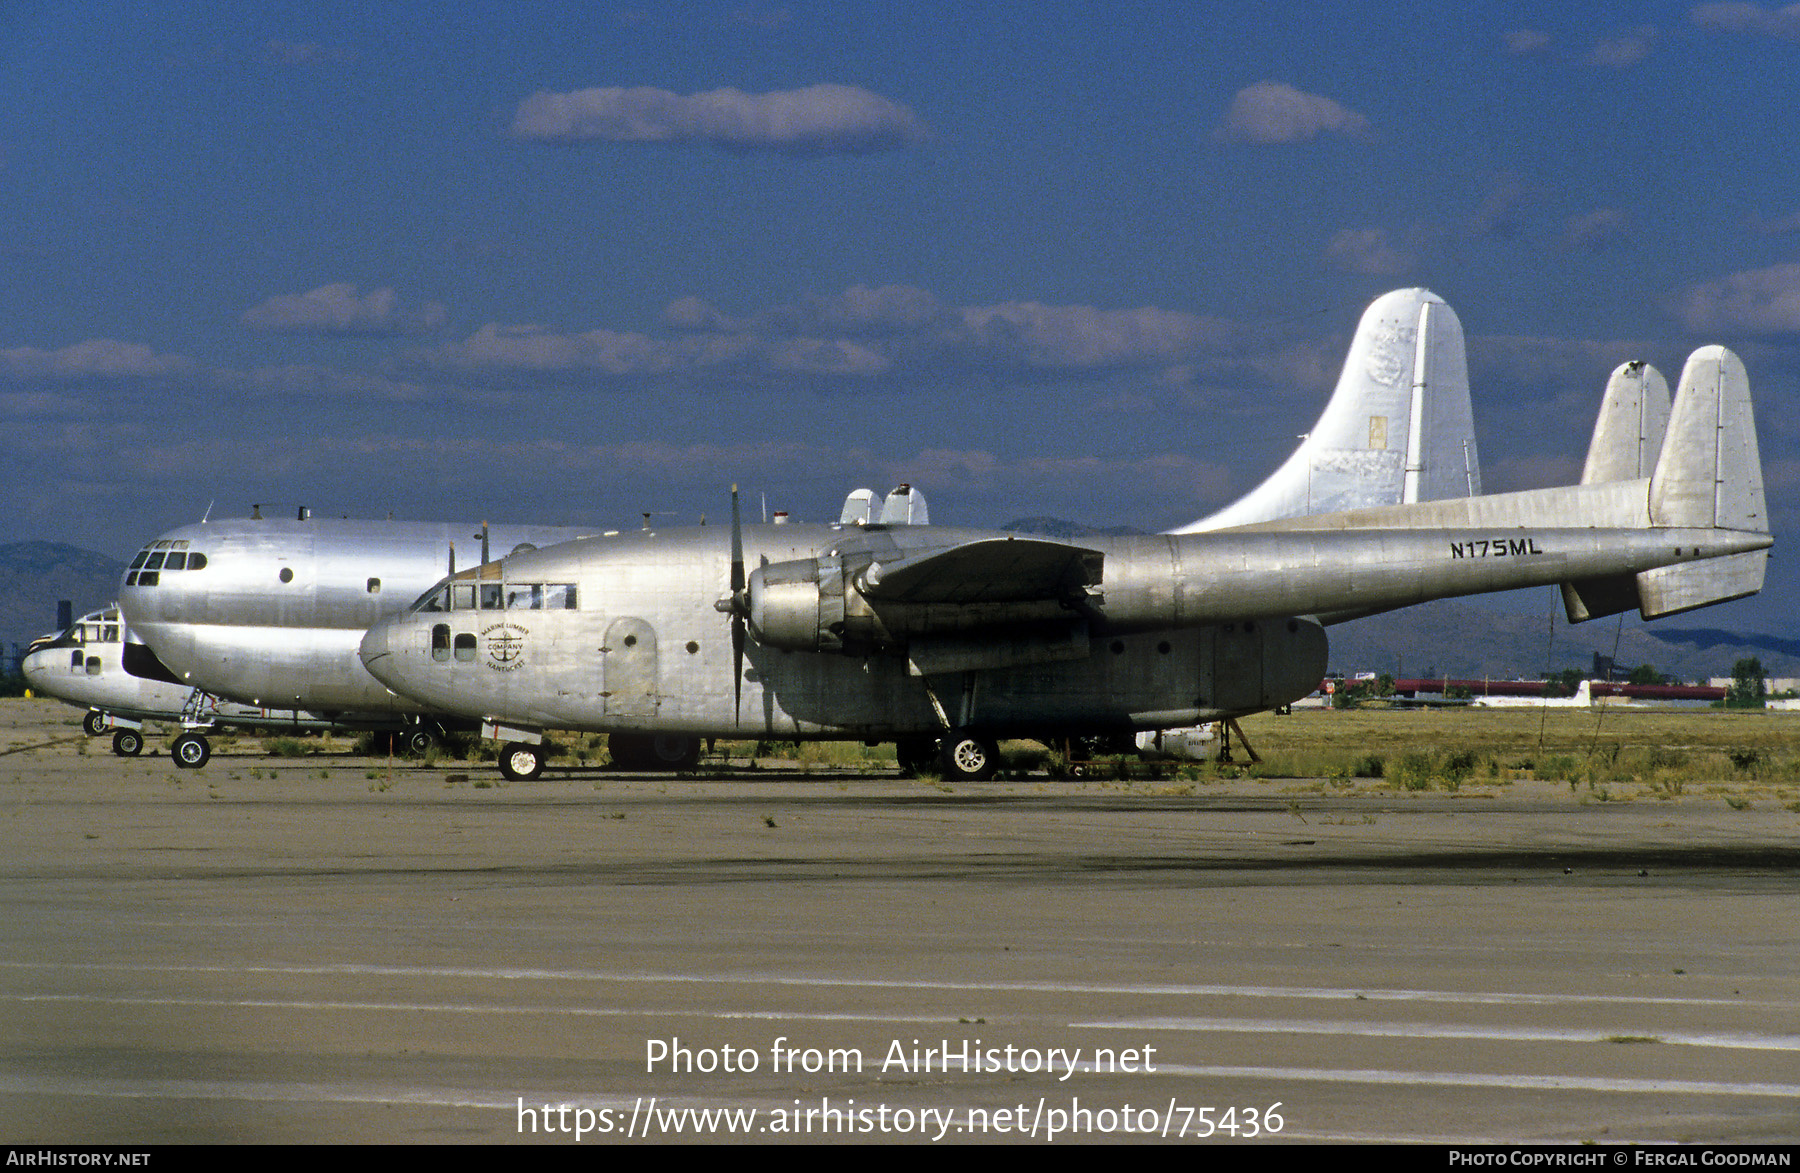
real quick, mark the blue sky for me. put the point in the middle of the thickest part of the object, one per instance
(569, 263)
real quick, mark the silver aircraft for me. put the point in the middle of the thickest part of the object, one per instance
(268, 612)
(84, 665)
(922, 634)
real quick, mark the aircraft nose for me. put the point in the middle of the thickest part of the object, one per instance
(374, 647)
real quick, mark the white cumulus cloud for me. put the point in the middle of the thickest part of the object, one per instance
(817, 119)
(1367, 250)
(97, 358)
(339, 309)
(1272, 112)
(1782, 23)
(1082, 337)
(1756, 301)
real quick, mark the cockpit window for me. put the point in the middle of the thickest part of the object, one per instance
(152, 560)
(454, 595)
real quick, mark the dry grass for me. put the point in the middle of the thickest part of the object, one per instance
(1613, 753)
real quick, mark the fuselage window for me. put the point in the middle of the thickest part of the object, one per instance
(491, 599)
(196, 561)
(93, 665)
(156, 561)
(286, 575)
(440, 641)
(559, 596)
(465, 647)
(525, 597)
(374, 586)
(75, 661)
(175, 562)
(138, 562)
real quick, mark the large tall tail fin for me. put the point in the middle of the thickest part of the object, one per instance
(1710, 475)
(1398, 428)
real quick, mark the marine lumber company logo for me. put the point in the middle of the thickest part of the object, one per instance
(505, 645)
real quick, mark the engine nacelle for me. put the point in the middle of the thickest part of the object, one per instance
(799, 606)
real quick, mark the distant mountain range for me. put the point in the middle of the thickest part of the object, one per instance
(34, 575)
(1450, 637)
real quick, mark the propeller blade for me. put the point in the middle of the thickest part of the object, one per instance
(737, 609)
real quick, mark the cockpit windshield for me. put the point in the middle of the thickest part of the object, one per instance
(461, 594)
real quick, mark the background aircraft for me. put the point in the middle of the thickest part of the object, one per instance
(84, 665)
(267, 612)
(879, 632)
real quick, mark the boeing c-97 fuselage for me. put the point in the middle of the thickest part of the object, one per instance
(274, 609)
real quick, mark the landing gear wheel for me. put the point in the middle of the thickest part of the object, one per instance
(128, 743)
(654, 751)
(94, 723)
(969, 757)
(190, 751)
(520, 762)
(916, 755)
(671, 751)
(421, 741)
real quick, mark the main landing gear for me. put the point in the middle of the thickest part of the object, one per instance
(654, 751)
(963, 755)
(520, 761)
(191, 751)
(128, 743)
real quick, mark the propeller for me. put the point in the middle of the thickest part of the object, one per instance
(737, 606)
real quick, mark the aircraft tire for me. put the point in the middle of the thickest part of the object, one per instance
(421, 741)
(916, 755)
(520, 762)
(654, 751)
(94, 724)
(969, 757)
(128, 743)
(190, 751)
(672, 751)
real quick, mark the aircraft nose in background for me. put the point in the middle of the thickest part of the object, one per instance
(374, 649)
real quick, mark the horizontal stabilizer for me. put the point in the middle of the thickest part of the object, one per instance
(985, 571)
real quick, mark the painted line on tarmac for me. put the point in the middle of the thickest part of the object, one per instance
(1738, 1040)
(1589, 1083)
(1315, 993)
(1727, 1040)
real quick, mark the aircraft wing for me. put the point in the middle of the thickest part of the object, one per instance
(987, 570)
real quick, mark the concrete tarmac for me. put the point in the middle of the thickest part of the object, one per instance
(324, 949)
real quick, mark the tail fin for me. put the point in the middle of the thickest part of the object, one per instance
(1709, 476)
(1628, 439)
(1628, 435)
(1398, 428)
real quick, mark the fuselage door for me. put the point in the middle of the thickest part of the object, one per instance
(630, 668)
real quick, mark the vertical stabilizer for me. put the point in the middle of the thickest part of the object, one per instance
(1628, 435)
(1628, 439)
(1709, 476)
(1399, 426)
